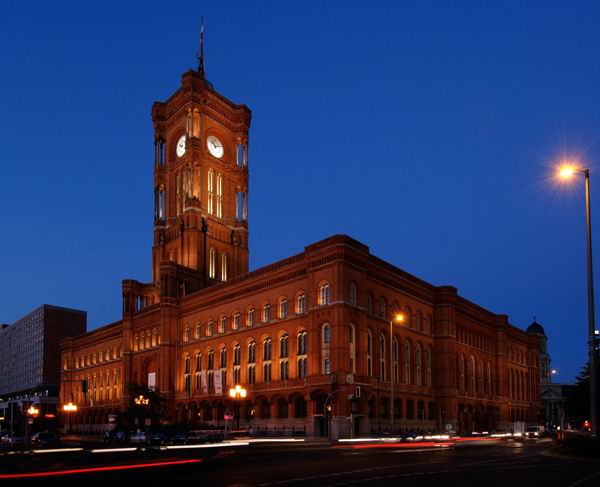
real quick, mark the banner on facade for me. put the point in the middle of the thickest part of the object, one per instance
(152, 381)
(204, 382)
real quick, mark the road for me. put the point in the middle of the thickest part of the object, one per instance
(322, 464)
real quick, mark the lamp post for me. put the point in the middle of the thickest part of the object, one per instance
(143, 401)
(567, 172)
(69, 409)
(397, 318)
(237, 393)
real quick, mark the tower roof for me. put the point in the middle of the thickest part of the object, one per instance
(535, 327)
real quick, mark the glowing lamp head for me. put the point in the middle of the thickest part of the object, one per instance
(232, 392)
(566, 172)
(399, 317)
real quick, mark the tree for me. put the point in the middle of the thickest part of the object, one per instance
(577, 398)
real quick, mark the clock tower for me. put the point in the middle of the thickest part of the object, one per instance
(200, 187)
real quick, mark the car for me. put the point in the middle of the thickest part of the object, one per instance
(181, 438)
(44, 440)
(534, 431)
(141, 438)
(158, 438)
(13, 441)
(118, 436)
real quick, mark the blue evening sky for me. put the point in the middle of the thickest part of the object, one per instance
(427, 130)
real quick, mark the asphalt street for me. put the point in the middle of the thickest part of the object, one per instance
(317, 464)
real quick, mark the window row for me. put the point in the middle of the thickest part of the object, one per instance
(475, 378)
(94, 358)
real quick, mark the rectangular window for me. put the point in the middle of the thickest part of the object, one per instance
(219, 196)
(210, 187)
(223, 266)
(212, 264)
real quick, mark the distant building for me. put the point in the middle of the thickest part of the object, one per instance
(30, 354)
(552, 397)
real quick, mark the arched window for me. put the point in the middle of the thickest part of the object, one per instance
(237, 360)
(223, 358)
(369, 353)
(461, 372)
(301, 304)
(369, 303)
(237, 355)
(352, 294)
(267, 349)
(481, 378)
(210, 363)
(284, 346)
(186, 334)
(324, 294)
(187, 372)
(408, 316)
(395, 358)
(198, 376)
(154, 342)
(418, 319)
(382, 367)
(382, 308)
(283, 311)
(352, 339)
(250, 317)
(284, 370)
(266, 313)
(251, 362)
(428, 382)
(222, 324)
(209, 328)
(136, 344)
(325, 348)
(418, 376)
(489, 379)
(326, 333)
(407, 371)
(302, 350)
(236, 321)
(473, 373)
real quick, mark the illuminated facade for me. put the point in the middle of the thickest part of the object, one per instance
(307, 336)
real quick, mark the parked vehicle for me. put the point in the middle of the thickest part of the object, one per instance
(536, 431)
(44, 440)
(159, 438)
(118, 436)
(206, 436)
(181, 438)
(141, 438)
(13, 441)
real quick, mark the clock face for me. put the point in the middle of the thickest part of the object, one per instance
(215, 146)
(180, 150)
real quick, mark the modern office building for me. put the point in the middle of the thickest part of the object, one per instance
(30, 355)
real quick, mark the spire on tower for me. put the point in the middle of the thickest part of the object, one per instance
(201, 52)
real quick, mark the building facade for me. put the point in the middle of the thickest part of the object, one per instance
(30, 356)
(309, 337)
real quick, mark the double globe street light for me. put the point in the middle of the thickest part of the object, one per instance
(566, 172)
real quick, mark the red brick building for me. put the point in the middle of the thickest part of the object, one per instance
(308, 336)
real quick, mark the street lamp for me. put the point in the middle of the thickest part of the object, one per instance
(566, 172)
(237, 393)
(69, 409)
(141, 400)
(397, 318)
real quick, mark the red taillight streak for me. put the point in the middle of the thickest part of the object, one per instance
(96, 469)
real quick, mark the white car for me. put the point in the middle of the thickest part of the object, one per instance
(534, 431)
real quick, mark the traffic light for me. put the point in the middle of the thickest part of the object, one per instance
(84, 386)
